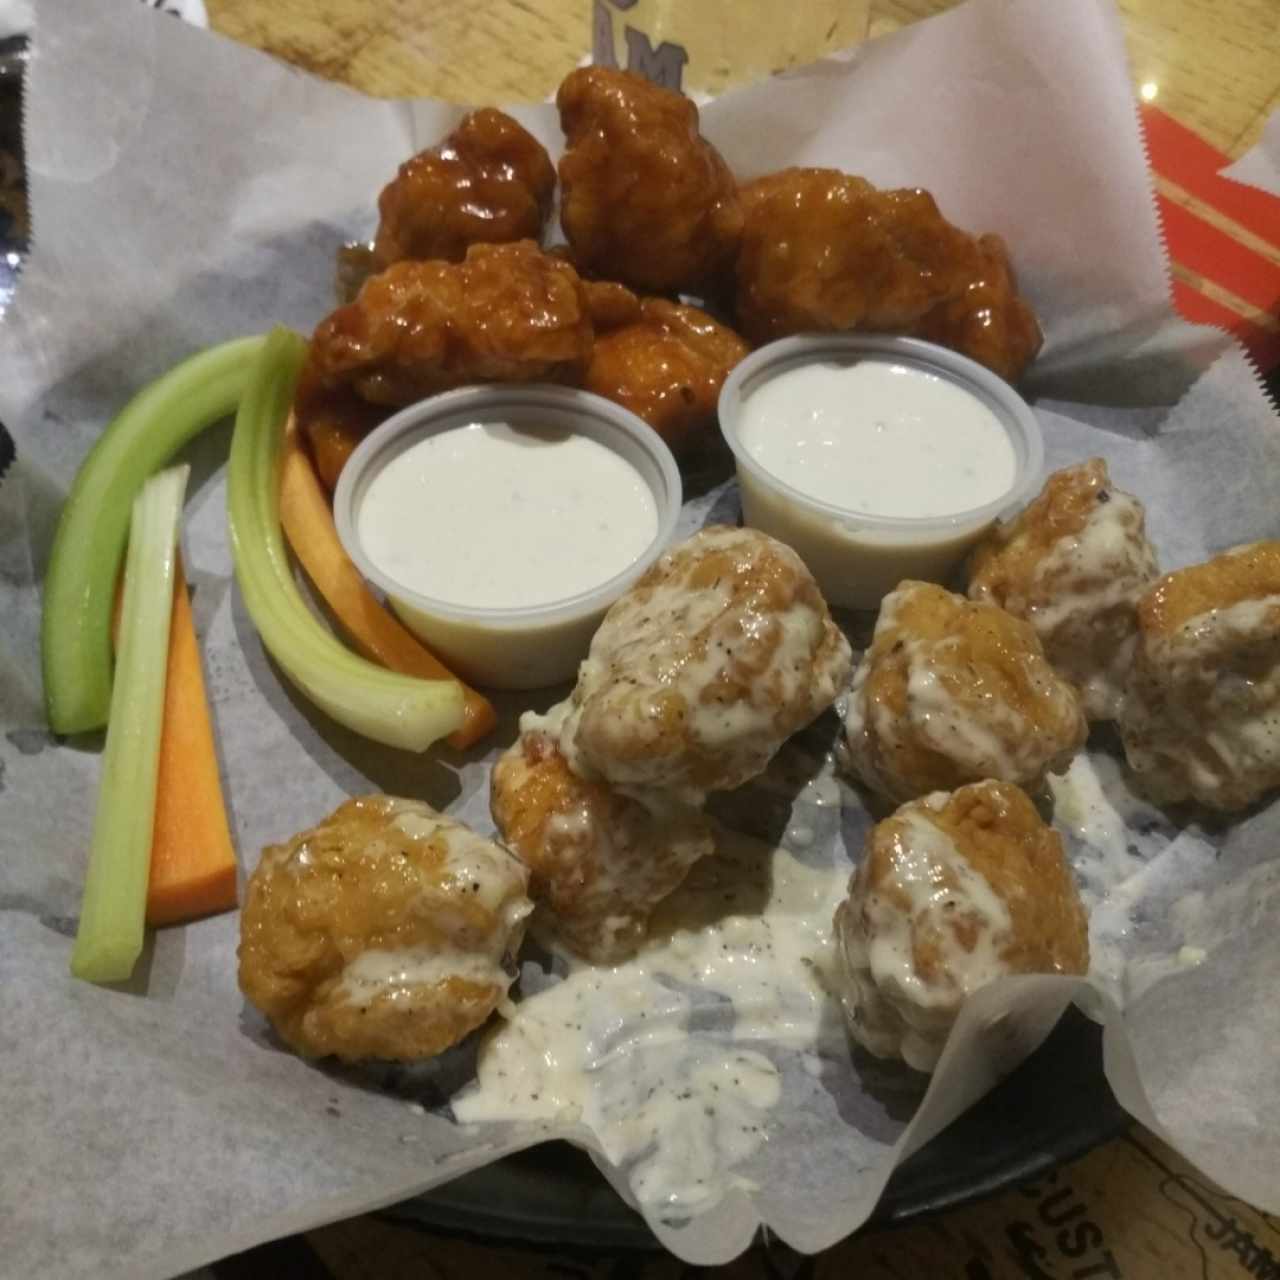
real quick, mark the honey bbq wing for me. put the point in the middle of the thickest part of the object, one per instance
(823, 250)
(610, 304)
(507, 313)
(666, 365)
(489, 182)
(645, 198)
(333, 423)
(986, 319)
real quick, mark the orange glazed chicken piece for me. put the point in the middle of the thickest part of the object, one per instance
(645, 198)
(667, 366)
(489, 182)
(823, 250)
(507, 313)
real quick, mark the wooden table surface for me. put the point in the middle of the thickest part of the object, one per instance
(1215, 64)
(1129, 1209)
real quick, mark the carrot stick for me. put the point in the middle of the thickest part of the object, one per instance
(308, 524)
(193, 863)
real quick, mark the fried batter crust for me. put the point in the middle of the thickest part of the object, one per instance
(951, 691)
(489, 182)
(645, 198)
(824, 250)
(380, 932)
(667, 367)
(600, 860)
(508, 313)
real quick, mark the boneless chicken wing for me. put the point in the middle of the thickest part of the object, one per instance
(951, 691)
(506, 313)
(823, 250)
(600, 860)
(489, 182)
(645, 198)
(954, 890)
(697, 675)
(667, 366)
(985, 318)
(1073, 564)
(383, 932)
(610, 304)
(693, 681)
(1201, 720)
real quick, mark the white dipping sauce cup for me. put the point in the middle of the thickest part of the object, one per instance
(537, 645)
(859, 558)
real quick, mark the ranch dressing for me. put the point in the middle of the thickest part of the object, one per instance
(878, 438)
(1130, 861)
(744, 951)
(492, 516)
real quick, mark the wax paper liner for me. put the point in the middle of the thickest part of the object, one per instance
(186, 190)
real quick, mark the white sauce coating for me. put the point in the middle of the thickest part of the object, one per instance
(474, 869)
(493, 516)
(879, 438)
(648, 647)
(374, 971)
(477, 868)
(983, 739)
(1097, 568)
(1090, 583)
(986, 746)
(611, 1046)
(1193, 726)
(1123, 850)
(893, 1010)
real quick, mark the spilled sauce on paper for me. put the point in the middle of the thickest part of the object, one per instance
(1123, 850)
(662, 1057)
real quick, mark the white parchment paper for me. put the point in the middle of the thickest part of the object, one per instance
(186, 190)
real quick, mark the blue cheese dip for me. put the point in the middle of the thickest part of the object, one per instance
(492, 516)
(879, 438)
(876, 459)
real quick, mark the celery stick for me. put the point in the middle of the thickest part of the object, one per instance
(79, 588)
(401, 711)
(112, 913)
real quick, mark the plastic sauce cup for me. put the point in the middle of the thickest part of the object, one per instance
(534, 645)
(856, 557)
